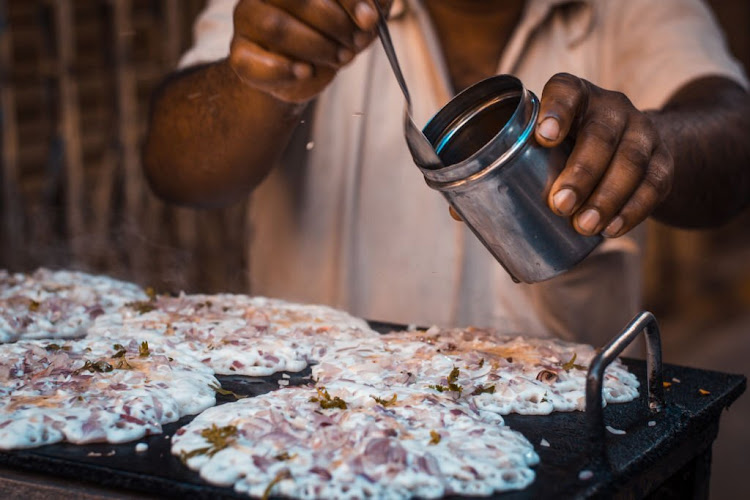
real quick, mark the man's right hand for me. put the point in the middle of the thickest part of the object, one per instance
(292, 49)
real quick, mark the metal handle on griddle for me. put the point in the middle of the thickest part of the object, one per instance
(644, 321)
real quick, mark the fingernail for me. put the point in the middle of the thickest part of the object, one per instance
(588, 220)
(361, 40)
(614, 227)
(365, 15)
(302, 71)
(564, 201)
(345, 55)
(549, 129)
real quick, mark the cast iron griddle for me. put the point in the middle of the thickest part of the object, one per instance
(632, 465)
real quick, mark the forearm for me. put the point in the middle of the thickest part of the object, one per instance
(706, 127)
(211, 138)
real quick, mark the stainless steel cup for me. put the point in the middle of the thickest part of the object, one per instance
(497, 178)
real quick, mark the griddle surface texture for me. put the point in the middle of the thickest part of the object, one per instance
(632, 464)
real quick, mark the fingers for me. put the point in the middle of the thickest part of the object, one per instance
(325, 16)
(618, 171)
(563, 99)
(264, 69)
(275, 74)
(275, 30)
(652, 190)
(363, 12)
(292, 49)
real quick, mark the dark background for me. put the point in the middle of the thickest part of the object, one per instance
(75, 81)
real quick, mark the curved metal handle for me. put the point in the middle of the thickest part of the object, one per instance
(644, 321)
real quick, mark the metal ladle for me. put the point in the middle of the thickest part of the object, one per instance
(421, 149)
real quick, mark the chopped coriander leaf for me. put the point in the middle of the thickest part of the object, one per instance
(326, 401)
(96, 366)
(284, 474)
(218, 437)
(385, 402)
(52, 347)
(142, 306)
(452, 385)
(571, 364)
(434, 437)
(225, 392)
(120, 351)
(150, 293)
(143, 350)
(490, 389)
(453, 375)
(34, 306)
(284, 456)
(187, 455)
(481, 362)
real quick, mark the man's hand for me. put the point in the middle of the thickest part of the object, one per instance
(619, 170)
(292, 49)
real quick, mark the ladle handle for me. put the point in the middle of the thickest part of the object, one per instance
(422, 152)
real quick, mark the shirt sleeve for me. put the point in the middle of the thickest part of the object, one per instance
(212, 34)
(664, 45)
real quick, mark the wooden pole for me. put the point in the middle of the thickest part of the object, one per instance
(12, 237)
(69, 127)
(128, 133)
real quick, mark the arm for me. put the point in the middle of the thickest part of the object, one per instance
(706, 126)
(216, 130)
(212, 138)
(687, 163)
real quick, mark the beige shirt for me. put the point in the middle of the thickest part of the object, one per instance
(347, 220)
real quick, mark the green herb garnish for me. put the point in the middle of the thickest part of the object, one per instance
(225, 392)
(434, 437)
(481, 362)
(119, 351)
(34, 306)
(490, 389)
(52, 347)
(571, 364)
(452, 385)
(143, 350)
(142, 306)
(285, 474)
(96, 366)
(385, 402)
(150, 292)
(284, 456)
(326, 401)
(218, 437)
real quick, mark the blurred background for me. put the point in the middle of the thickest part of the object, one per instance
(75, 82)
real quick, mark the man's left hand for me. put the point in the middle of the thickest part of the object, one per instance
(619, 170)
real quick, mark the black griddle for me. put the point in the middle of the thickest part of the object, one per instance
(668, 459)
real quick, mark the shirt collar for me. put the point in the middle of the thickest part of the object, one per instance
(579, 16)
(579, 21)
